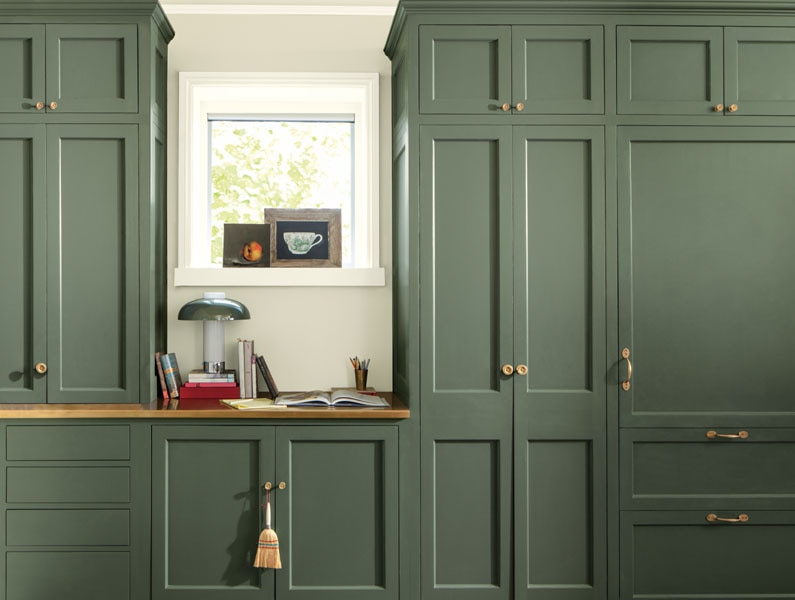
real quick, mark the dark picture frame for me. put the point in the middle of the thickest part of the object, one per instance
(305, 237)
(247, 245)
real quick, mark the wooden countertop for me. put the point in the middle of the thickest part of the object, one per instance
(199, 409)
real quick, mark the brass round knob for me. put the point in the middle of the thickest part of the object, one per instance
(39, 105)
(732, 108)
(52, 105)
(519, 107)
(41, 368)
(282, 485)
(506, 107)
(268, 485)
(718, 108)
(521, 369)
(507, 369)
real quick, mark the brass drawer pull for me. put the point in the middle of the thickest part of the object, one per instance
(740, 435)
(625, 385)
(741, 518)
(507, 369)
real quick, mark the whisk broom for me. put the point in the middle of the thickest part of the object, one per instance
(268, 545)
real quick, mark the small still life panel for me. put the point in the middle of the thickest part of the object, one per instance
(307, 237)
(246, 245)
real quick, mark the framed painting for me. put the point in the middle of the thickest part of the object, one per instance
(246, 245)
(304, 237)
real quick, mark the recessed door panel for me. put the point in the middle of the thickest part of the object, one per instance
(21, 67)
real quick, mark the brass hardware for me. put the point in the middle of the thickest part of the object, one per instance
(506, 107)
(282, 485)
(625, 384)
(519, 107)
(53, 105)
(718, 108)
(268, 485)
(741, 518)
(742, 435)
(507, 369)
(39, 105)
(41, 368)
(521, 369)
(732, 108)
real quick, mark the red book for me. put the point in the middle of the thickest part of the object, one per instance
(210, 392)
(209, 384)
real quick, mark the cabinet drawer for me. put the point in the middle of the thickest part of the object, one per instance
(686, 468)
(681, 555)
(68, 484)
(67, 528)
(68, 442)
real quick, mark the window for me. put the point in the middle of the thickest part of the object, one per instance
(250, 141)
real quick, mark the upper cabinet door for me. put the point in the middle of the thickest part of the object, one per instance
(558, 69)
(760, 62)
(92, 68)
(21, 67)
(465, 70)
(670, 70)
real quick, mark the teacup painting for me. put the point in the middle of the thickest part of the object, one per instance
(301, 242)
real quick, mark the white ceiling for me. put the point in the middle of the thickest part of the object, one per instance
(297, 7)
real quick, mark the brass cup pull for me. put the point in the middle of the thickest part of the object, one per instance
(742, 435)
(625, 385)
(40, 368)
(39, 105)
(519, 107)
(718, 108)
(507, 369)
(741, 518)
(733, 108)
(506, 107)
(52, 105)
(521, 369)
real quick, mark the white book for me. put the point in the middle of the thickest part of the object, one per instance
(335, 398)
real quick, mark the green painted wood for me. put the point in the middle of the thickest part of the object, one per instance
(669, 70)
(92, 68)
(68, 484)
(21, 63)
(206, 517)
(678, 554)
(705, 275)
(685, 469)
(68, 442)
(69, 575)
(558, 69)
(559, 406)
(93, 274)
(337, 518)
(464, 69)
(22, 263)
(759, 64)
(91, 527)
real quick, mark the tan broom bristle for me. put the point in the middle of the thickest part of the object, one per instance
(268, 550)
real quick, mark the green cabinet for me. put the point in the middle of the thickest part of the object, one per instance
(488, 69)
(75, 511)
(83, 165)
(86, 68)
(336, 514)
(703, 70)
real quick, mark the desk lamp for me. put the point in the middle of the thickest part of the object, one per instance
(213, 309)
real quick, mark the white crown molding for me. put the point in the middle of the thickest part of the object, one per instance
(295, 7)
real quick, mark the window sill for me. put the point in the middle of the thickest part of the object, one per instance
(285, 276)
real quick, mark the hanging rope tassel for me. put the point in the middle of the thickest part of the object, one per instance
(268, 545)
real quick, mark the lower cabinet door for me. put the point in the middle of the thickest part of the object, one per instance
(736, 554)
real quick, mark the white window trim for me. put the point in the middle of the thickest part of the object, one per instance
(204, 94)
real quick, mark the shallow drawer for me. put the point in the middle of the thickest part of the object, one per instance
(68, 527)
(68, 484)
(686, 468)
(666, 554)
(68, 442)
(67, 575)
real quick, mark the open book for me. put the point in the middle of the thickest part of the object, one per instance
(334, 398)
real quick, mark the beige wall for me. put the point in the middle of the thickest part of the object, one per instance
(305, 333)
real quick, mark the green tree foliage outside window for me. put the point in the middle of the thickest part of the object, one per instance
(258, 164)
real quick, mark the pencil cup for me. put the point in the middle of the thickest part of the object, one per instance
(361, 379)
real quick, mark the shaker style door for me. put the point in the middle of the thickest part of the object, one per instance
(21, 68)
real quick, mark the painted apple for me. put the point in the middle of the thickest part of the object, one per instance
(252, 251)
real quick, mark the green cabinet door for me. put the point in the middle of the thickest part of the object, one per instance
(21, 66)
(705, 276)
(559, 328)
(337, 517)
(92, 263)
(206, 518)
(23, 260)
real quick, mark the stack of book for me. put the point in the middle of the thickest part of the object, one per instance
(210, 385)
